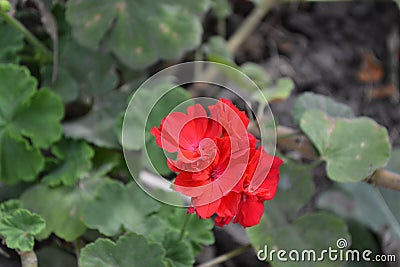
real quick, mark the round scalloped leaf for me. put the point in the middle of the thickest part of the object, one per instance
(130, 250)
(29, 120)
(310, 101)
(134, 206)
(352, 148)
(171, 27)
(19, 229)
(11, 170)
(39, 120)
(61, 207)
(75, 157)
(9, 207)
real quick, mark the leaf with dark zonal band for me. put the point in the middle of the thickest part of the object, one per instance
(138, 32)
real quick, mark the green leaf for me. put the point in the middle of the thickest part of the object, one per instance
(61, 207)
(81, 72)
(11, 42)
(19, 229)
(198, 231)
(9, 206)
(146, 104)
(65, 86)
(39, 120)
(13, 171)
(156, 159)
(217, 50)
(75, 162)
(357, 200)
(96, 73)
(398, 3)
(391, 198)
(394, 162)
(133, 207)
(280, 91)
(362, 239)
(221, 8)
(172, 27)
(130, 250)
(178, 253)
(311, 101)
(107, 160)
(352, 148)
(317, 231)
(257, 74)
(29, 120)
(98, 126)
(296, 187)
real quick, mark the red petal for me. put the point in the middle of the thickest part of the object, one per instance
(229, 205)
(221, 221)
(206, 211)
(250, 213)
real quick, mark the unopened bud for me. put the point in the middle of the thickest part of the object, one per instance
(5, 6)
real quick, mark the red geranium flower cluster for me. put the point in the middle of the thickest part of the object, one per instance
(218, 164)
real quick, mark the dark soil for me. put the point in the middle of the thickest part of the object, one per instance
(322, 47)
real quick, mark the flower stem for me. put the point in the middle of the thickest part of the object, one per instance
(28, 35)
(28, 259)
(185, 224)
(249, 24)
(236, 40)
(226, 256)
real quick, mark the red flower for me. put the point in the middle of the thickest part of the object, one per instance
(218, 164)
(232, 119)
(260, 183)
(189, 135)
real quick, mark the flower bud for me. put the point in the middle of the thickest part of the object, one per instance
(5, 6)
